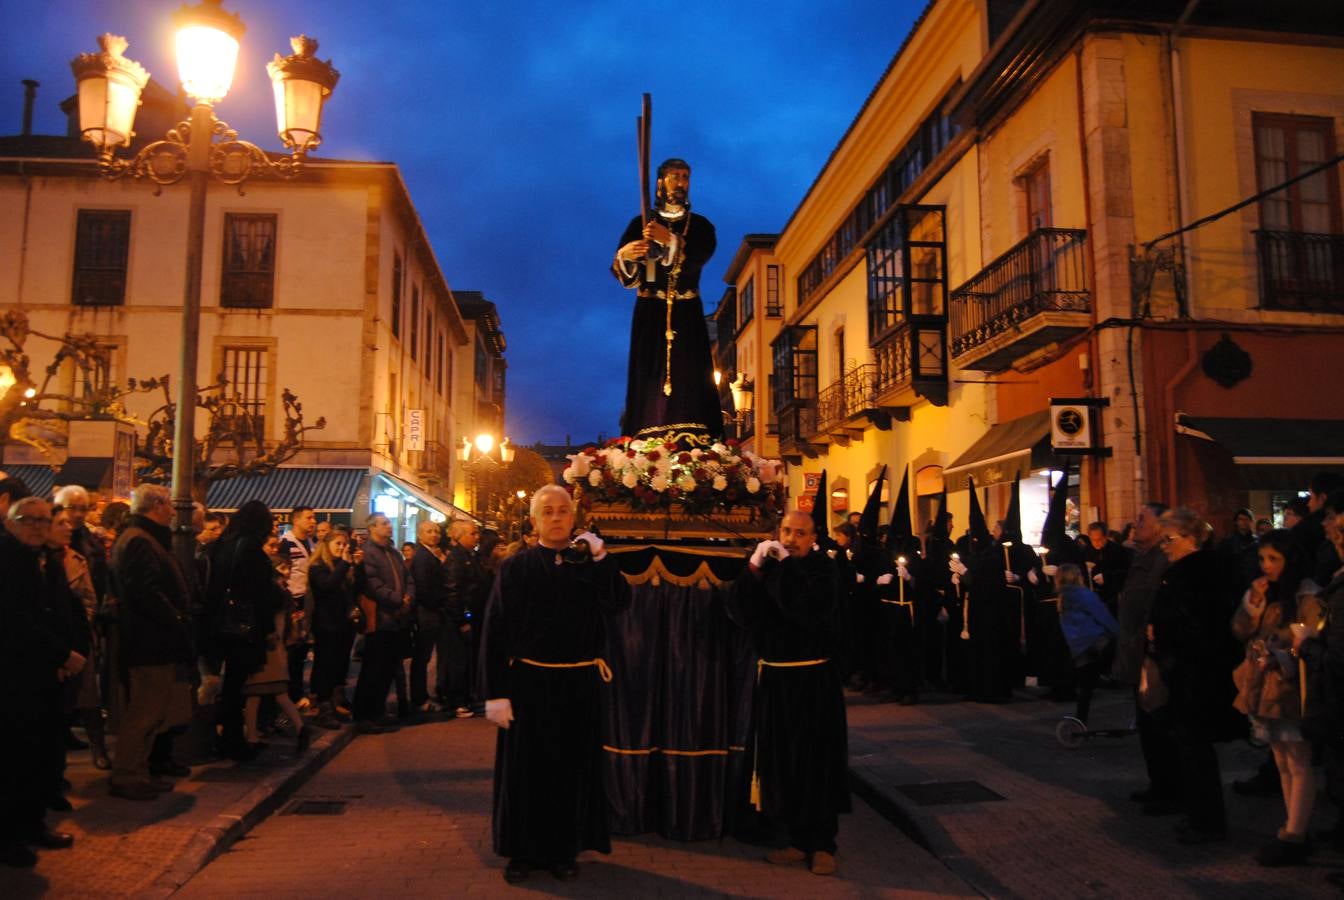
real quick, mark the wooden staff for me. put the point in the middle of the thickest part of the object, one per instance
(965, 607)
(1021, 595)
(644, 128)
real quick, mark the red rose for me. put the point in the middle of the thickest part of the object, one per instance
(684, 458)
(733, 442)
(591, 451)
(674, 492)
(630, 454)
(653, 456)
(711, 456)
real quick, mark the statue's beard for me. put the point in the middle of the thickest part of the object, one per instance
(678, 200)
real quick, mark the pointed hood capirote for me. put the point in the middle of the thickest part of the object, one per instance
(819, 522)
(1012, 521)
(868, 519)
(1053, 535)
(976, 527)
(900, 530)
(941, 529)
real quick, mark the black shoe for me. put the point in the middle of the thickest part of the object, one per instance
(1283, 853)
(1258, 785)
(59, 804)
(304, 739)
(52, 840)
(1161, 808)
(517, 870)
(74, 743)
(566, 871)
(171, 769)
(17, 856)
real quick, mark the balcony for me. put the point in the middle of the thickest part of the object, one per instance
(1300, 271)
(911, 363)
(843, 405)
(1034, 295)
(797, 421)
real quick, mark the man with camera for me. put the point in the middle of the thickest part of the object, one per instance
(541, 673)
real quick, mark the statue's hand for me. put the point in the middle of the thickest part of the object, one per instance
(633, 251)
(657, 231)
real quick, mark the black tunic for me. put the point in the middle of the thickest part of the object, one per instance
(694, 402)
(801, 744)
(549, 799)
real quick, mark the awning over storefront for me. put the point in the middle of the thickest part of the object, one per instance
(1272, 454)
(325, 490)
(1016, 447)
(38, 478)
(421, 496)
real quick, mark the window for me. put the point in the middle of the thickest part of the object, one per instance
(1299, 244)
(415, 320)
(906, 269)
(438, 364)
(429, 339)
(249, 261)
(482, 366)
(1036, 190)
(245, 371)
(839, 352)
(102, 246)
(101, 374)
(746, 302)
(774, 306)
(397, 276)
(795, 363)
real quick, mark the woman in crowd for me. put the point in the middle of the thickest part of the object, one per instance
(244, 600)
(272, 679)
(66, 604)
(1272, 622)
(1187, 638)
(1089, 629)
(82, 694)
(331, 577)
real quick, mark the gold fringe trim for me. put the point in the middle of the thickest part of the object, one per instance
(703, 577)
(668, 752)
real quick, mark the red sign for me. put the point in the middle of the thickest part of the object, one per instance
(806, 502)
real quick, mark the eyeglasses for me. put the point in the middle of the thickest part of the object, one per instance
(34, 520)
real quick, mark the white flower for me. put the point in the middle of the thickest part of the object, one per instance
(686, 482)
(595, 477)
(579, 462)
(753, 484)
(766, 469)
(642, 462)
(696, 453)
(664, 466)
(721, 449)
(630, 478)
(569, 475)
(638, 446)
(658, 482)
(720, 482)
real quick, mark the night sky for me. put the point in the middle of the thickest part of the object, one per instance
(513, 125)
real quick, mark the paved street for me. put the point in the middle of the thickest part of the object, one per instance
(417, 823)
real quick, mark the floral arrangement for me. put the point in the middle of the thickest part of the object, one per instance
(680, 473)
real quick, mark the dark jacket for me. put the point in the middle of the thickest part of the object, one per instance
(32, 647)
(91, 547)
(431, 585)
(152, 594)
(1135, 601)
(239, 563)
(467, 584)
(65, 606)
(387, 581)
(333, 595)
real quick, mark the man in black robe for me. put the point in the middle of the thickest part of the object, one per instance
(541, 673)
(788, 598)
(670, 385)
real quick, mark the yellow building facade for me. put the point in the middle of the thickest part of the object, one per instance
(992, 233)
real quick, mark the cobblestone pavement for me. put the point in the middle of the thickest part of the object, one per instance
(417, 823)
(1065, 826)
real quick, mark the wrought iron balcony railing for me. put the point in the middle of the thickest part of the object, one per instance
(846, 398)
(1301, 271)
(1045, 272)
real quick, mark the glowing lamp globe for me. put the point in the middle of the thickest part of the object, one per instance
(302, 83)
(207, 50)
(109, 88)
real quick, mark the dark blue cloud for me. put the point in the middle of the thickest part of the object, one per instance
(513, 124)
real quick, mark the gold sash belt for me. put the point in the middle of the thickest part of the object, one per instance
(662, 295)
(761, 665)
(603, 669)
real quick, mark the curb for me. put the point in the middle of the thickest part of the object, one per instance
(923, 830)
(269, 794)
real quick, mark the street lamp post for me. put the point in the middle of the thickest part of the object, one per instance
(207, 50)
(484, 445)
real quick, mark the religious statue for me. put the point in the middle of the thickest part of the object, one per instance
(670, 386)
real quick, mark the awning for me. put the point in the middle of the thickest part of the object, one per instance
(1272, 454)
(38, 478)
(325, 490)
(1016, 447)
(92, 472)
(424, 498)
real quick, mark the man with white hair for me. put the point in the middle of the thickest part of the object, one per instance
(541, 674)
(156, 653)
(75, 500)
(35, 656)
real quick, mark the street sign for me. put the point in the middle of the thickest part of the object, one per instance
(415, 429)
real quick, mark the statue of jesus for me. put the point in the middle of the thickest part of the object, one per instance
(670, 385)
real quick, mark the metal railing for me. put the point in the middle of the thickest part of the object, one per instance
(853, 393)
(1044, 272)
(797, 422)
(1301, 271)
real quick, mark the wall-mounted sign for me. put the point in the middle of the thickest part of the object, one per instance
(811, 481)
(806, 502)
(1073, 425)
(415, 429)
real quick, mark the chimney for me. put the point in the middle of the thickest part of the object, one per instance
(29, 95)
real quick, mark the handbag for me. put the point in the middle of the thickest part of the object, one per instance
(238, 618)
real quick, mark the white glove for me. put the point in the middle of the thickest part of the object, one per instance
(1031, 576)
(831, 553)
(596, 545)
(858, 577)
(849, 554)
(1098, 579)
(904, 573)
(768, 549)
(1049, 571)
(957, 566)
(884, 578)
(1010, 576)
(499, 711)
(956, 579)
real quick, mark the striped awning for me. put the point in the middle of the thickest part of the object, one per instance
(325, 490)
(38, 478)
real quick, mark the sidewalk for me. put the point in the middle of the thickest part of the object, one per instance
(1065, 826)
(149, 849)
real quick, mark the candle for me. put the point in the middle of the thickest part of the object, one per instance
(1006, 563)
(900, 561)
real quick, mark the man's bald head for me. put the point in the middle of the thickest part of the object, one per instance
(797, 532)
